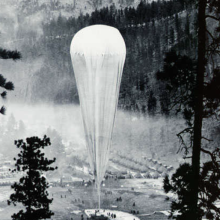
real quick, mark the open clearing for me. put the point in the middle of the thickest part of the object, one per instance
(139, 196)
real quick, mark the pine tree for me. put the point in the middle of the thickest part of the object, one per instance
(204, 102)
(206, 10)
(31, 188)
(209, 191)
(178, 76)
(7, 54)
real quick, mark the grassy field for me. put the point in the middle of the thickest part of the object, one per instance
(147, 194)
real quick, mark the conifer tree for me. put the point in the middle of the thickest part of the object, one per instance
(31, 188)
(203, 103)
(7, 54)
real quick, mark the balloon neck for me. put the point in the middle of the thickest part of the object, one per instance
(99, 194)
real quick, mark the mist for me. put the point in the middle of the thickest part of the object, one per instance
(146, 136)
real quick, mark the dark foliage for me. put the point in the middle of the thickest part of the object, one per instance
(209, 192)
(6, 85)
(178, 76)
(2, 110)
(31, 188)
(211, 94)
(143, 13)
(7, 54)
(180, 184)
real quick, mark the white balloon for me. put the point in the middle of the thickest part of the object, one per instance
(98, 55)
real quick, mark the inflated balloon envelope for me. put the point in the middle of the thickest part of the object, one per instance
(98, 55)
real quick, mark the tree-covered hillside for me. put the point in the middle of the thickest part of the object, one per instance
(150, 30)
(51, 8)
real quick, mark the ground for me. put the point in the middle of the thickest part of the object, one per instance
(110, 213)
(142, 196)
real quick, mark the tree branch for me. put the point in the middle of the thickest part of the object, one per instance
(210, 35)
(189, 157)
(206, 139)
(185, 130)
(210, 154)
(212, 17)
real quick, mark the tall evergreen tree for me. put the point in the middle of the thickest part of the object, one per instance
(31, 189)
(197, 130)
(207, 9)
(202, 106)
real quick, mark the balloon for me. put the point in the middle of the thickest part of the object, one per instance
(98, 55)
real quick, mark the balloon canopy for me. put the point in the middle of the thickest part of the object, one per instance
(98, 55)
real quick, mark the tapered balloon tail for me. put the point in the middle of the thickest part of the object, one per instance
(99, 195)
(98, 190)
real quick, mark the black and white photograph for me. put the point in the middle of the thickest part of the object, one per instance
(110, 109)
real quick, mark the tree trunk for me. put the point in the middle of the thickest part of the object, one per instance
(198, 107)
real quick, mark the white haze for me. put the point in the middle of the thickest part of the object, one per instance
(132, 133)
